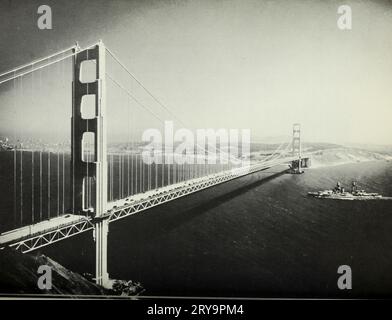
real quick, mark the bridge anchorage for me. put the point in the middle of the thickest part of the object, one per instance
(90, 207)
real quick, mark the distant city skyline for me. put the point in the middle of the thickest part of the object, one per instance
(261, 65)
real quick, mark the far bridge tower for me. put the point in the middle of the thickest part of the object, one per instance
(300, 162)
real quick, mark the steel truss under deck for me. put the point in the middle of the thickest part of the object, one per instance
(190, 187)
(130, 206)
(51, 236)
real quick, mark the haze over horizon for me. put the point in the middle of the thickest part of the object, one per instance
(261, 65)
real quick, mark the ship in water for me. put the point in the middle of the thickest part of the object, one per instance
(339, 193)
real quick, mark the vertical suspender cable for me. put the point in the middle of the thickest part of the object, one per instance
(32, 186)
(132, 153)
(40, 185)
(128, 145)
(32, 152)
(108, 160)
(156, 173)
(63, 64)
(63, 171)
(110, 177)
(119, 176)
(168, 173)
(163, 166)
(174, 170)
(122, 175)
(128, 156)
(15, 185)
(73, 75)
(141, 174)
(48, 183)
(40, 160)
(15, 154)
(136, 172)
(21, 186)
(21, 166)
(149, 175)
(58, 182)
(112, 160)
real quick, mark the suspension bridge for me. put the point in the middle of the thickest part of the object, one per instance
(84, 178)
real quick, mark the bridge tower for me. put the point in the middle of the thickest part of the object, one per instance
(93, 170)
(296, 148)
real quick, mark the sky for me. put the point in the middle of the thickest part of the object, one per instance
(259, 65)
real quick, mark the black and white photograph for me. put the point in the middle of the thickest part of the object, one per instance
(176, 149)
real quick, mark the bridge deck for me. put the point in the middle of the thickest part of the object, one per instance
(35, 236)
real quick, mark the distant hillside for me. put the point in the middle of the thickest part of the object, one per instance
(328, 154)
(311, 146)
(342, 155)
